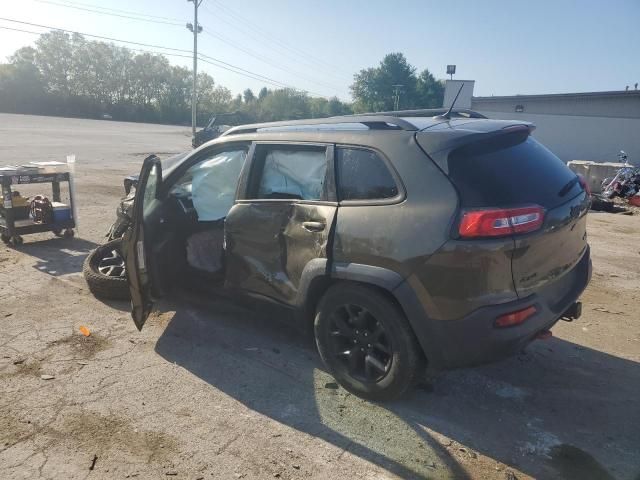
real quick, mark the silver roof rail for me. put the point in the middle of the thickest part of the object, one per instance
(373, 122)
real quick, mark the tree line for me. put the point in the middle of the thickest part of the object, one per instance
(68, 75)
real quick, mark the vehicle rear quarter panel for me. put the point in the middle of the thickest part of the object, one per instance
(400, 236)
(464, 276)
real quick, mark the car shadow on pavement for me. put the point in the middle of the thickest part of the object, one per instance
(558, 412)
(272, 369)
(58, 256)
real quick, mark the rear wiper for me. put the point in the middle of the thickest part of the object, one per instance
(567, 188)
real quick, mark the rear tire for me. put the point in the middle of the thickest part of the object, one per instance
(103, 281)
(367, 343)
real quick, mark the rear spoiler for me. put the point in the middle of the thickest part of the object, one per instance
(438, 143)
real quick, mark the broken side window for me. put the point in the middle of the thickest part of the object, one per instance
(293, 174)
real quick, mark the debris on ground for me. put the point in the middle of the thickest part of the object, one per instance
(606, 310)
(93, 462)
(85, 331)
(47, 377)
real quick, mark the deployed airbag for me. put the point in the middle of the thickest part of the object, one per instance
(214, 184)
(298, 173)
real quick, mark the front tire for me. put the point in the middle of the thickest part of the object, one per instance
(104, 272)
(367, 343)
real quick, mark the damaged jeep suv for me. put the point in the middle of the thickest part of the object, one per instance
(401, 242)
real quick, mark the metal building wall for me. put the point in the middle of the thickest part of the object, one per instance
(575, 137)
(610, 105)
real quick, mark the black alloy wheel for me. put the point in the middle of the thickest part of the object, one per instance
(359, 341)
(366, 342)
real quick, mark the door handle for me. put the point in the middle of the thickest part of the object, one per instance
(314, 226)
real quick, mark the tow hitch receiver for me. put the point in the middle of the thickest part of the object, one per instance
(572, 313)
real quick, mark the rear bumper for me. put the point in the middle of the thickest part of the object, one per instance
(473, 339)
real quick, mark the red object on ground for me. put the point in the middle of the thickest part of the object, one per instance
(635, 201)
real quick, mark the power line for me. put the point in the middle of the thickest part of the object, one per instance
(132, 49)
(209, 59)
(242, 20)
(267, 60)
(210, 62)
(258, 77)
(213, 35)
(95, 36)
(85, 9)
(262, 77)
(239, 24)
(117, 10)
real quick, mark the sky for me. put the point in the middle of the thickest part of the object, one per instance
(507, 47)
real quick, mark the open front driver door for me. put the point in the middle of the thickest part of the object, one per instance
(134, 244)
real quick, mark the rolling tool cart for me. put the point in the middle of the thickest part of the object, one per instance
(19, 216)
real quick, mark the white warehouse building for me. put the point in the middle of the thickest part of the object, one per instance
(575, 126)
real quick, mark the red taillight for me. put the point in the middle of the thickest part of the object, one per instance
(515, 318)
(584, 184)
(499, 222)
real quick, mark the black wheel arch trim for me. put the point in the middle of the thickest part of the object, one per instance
(318, 271)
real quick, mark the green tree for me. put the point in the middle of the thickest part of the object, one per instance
(285, 104)
(22, 89)
(212, 98)
(248, 96)
(335, 107)
(174, 103)
(54, 58)
(429, 91)
(262, 94)
(70, 75)
(374, 89)
(318, 107)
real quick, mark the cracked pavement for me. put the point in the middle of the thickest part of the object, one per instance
(213, 390)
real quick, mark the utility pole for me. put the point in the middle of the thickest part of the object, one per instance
(196, 29)
(396, 95)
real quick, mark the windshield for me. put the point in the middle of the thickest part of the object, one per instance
(169, 163)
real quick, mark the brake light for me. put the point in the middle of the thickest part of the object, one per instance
(584, 184)
(515, 318)
(499, 222)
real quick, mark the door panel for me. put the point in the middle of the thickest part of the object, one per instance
(268, 244)
(134, 243)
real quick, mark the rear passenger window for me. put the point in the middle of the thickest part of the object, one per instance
(291, 173)
(363, 175)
